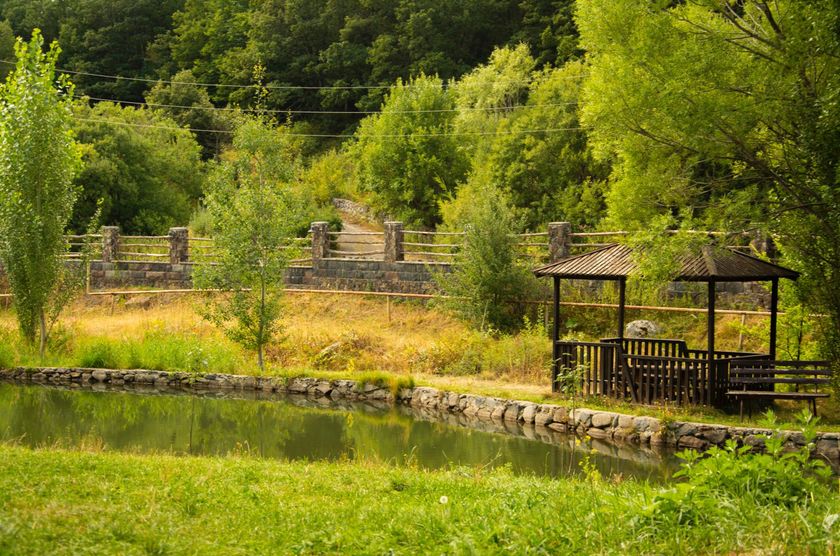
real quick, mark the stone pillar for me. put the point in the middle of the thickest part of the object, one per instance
(559, 240)
(110, 244)
(394, 250)
(320, 240)
(763, 244)
(179, 245)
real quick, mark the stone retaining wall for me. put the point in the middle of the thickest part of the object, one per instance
(648, 432)
(325, 274)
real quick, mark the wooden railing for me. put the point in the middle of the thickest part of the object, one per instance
(392, 245)
(644, 370)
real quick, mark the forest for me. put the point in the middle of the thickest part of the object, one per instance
(621, 114)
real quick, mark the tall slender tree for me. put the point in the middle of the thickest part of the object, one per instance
(38, 160)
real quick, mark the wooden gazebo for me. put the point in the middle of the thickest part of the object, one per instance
(657, 370)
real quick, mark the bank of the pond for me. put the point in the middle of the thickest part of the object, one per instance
(67, 502)
(600, 425)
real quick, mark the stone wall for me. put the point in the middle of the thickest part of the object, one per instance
(544, 420)
(110, 275)
(326, 274)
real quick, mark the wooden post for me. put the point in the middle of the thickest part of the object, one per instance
(711, 384)
(622, 295)
(555, 336)
(774, 310)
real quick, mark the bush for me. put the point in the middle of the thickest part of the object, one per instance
(101, 354)
(487, 283)
(724, 478)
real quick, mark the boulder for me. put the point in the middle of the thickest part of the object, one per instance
(641, 329)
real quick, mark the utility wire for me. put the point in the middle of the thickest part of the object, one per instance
(269, 87)
(296, 111)
(341, 135)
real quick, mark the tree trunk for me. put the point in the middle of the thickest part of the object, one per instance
(261, 338)
(42, 348)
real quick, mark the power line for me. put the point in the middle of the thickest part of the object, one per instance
(272, 87)
(342, 135)
(296, 111)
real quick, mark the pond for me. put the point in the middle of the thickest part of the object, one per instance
(293, 428)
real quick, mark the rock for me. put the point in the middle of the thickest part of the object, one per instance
(561, 415)
(499, 412)
(528, 413)
(511, 412)
(597, 433)
(693, 443)
(99, 375)
(139, 302)
(625, 422)
(544, 416)
(559, 427)
(602, 420)
(714, 435)
(641, 329)
(580, 417)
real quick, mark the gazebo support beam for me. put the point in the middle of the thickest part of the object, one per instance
(622, 301)
(711, 321)
(774, 314)
(555, 335)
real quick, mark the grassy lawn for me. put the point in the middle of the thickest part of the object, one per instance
(333, 336)
(65, 502)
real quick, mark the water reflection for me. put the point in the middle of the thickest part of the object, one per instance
(297, 428)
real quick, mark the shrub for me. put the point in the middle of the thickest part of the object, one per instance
(487, 282)
(101, 354)
(722, 478)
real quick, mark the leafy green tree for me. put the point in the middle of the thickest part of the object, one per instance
(147, 172)
(551, 173)
(487, 282)
(254, 220)
(38, 160)
(7, 49)
(407, 156)
(724, 114)
(189, 105)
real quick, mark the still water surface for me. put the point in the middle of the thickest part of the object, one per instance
(286, 428)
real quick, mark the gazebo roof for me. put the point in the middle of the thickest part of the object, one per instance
(721, 264)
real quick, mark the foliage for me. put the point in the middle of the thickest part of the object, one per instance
(254, 221)
(147, 173)
(209, 504)
(487, 283)
(409, 160)
(725, 477)
(110, 37)
(723, 115)
(38, 160)
(189, 105)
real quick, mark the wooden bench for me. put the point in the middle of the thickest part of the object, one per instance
(757, 379)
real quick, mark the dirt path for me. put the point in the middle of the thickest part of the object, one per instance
(360, 243)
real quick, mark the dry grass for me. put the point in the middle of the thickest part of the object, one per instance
(339, 336)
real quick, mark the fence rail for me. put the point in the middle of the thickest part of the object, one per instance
(394, 244)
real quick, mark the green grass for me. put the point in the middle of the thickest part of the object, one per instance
(65, 502)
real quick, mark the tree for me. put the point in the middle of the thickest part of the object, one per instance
(407, 155)
(254, 220)
(146, 171)
(724, 114)
(190, 106)
(487, 281)
(38, 160)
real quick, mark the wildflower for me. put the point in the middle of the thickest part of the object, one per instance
(444, 499)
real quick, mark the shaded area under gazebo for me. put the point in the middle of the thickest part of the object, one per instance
(657, 370)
